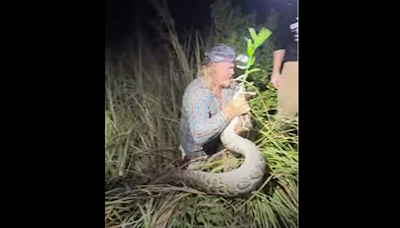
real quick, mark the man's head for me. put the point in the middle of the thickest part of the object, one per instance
(219, 62)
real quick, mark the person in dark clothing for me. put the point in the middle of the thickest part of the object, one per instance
(285, 65)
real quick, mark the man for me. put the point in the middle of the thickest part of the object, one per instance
(207, 106)
(285, 65)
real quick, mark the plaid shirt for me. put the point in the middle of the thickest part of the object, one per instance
(202, 119)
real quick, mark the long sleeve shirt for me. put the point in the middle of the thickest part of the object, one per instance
(202, 119)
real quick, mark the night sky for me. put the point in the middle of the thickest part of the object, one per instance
(121, 16)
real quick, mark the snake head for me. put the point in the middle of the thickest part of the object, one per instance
(245, 95)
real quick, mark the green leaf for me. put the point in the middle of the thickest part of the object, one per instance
(250, 49)
(250, 62)
(262, 37)
(253, 33)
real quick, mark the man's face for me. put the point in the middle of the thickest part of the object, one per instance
(223, 73)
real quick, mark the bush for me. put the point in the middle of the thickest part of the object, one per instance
(142, 109)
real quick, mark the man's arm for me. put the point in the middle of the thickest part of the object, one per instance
(278, 58)
(202, 127)
(276, 68)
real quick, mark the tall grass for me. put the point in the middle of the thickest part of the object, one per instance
(142, 110)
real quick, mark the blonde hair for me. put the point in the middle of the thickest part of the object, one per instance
(207, 72)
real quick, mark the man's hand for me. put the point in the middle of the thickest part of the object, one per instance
(238, 106)
(275, 78)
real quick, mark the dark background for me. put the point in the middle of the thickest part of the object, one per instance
(122, 16)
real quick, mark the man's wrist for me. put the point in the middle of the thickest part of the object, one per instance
(275, 72)
(228, 115)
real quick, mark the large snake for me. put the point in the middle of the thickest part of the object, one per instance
(234, 183)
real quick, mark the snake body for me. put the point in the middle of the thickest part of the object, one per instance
(234, 183)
